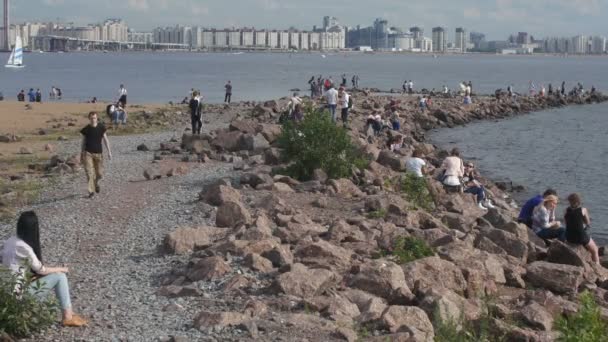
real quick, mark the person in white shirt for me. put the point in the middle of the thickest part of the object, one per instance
(416, 165)
(331, 96)
(24, 250)
(344, 101)
(411, 87)
(453, 170)
(122, 95)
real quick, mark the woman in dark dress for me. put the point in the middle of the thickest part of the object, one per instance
(577, 220)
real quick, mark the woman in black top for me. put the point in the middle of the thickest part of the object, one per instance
(577, 219)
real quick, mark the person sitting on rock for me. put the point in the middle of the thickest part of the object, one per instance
(395, 143)
(24, 249)
(577, 222)
(525, 215)
(416, 165)
(544, 224)
(473, 186)
(375, 123)
(453, 171)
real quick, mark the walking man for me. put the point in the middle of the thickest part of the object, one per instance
(91, 156)
(345, 104)
(122, 95)
(195, 112)
(228, 96)
(331, 95)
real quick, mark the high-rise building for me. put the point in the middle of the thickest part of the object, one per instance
(523, 38)
(381, 34)
(598, 45)
(461, 39)
(7, 44)
(478, 40)
(417, 32)
(439, 39)
(329, 22)
(579, 45)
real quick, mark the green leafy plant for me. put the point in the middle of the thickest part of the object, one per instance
(416, 191)
(377, 214)
(407, 249)
(317, 143)
(584, 326)
(27, 313)
(460, 330)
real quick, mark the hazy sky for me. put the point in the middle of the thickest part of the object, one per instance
(496, 18)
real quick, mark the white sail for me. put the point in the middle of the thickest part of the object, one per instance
(16, 58)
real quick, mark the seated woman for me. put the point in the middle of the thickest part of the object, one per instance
(577, 220)
(375, 122)
(395, 143)
(25, 249)
(473, 186)
(544, 224)
(453, 171)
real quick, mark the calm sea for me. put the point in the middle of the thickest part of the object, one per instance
(565, 148)
(163, 77)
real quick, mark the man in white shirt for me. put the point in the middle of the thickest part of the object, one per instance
(331, 95)
(344, 101)
(122, 93)
(411, 87)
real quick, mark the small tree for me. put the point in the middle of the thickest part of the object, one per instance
(584, 326)
(24, 314)
(317, 143)
(417, 191)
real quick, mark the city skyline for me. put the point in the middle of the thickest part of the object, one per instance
(497, 19)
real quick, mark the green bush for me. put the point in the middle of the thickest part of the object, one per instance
(377, 214)
(24, 315)
(317, 143)
(460, 330)
(584, 326)
(416, 191)
(407, 249)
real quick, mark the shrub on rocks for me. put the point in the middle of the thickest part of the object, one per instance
(22, 316)
(417, 192)
(586, 325)
(317, 143)
(406, 249)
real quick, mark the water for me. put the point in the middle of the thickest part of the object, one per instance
(564, 149)
(163, 77)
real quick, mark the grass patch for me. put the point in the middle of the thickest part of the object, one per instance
(460, 330)
(584, 326)
(407, 249)
(416, 191)
(17, 194)
(377, 214)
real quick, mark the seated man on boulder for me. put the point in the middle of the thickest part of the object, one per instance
(525, 215)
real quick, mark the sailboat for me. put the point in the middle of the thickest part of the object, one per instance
(16, 58)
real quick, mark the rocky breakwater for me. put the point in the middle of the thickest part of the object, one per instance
(318, 260)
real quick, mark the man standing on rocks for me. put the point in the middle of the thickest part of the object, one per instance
(331, 95)
(91, 156)
(228, 96)
(344, 105)
(122, 95)
(195, 112)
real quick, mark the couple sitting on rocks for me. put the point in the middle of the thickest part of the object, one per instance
(538, 213)
(460, 177)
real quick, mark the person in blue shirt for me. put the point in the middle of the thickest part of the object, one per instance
(31, 95)
(525, 215)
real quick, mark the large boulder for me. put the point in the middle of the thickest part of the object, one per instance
(184, 240)
(270, 131)
(433, 272)
(217, 194)
(444, 305)
(384, 279)
(345, 188)
(509, 242)
(251, 142)
(410, 319)
(536, 316)
(303, 282)
(232, 214)
(227, 141)
(497, 217)
(207, 269)
(244, 126)
(323, 254)
(392, 160)
(568, 254)
(206, 319)
(558, 278)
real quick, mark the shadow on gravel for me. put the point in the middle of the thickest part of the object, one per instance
(65, 198)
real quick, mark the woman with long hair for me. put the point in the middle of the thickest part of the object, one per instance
(24, 250)
(577, 220)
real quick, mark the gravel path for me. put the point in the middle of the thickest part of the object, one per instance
(110, 244)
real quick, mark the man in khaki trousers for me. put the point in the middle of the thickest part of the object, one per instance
(92, 152)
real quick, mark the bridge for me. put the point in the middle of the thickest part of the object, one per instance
(52, 43)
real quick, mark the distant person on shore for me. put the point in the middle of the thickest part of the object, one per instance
(38, 95)
(122, 95)
(510, 90)
(525, 214)
(470, 86)
(31, 95)
(313, 87)
(343, 80)
(422, 103)
(373, 123)
(446, 91)
(550, 89)
(593, 90)
(195, 106)
(59, 94)
(395, 119)
(416, 165)
(453, 170)
(53, 93)
(532, 89)
(563, 88)
(410, 87)
(119, 115)
(228, 96)
(353, 81)
(293, 101)
(93, 100)
(92, 152)
(467, 100)
(542, 91)
(331, 96)
(345, 103)
(21, 96)
(544, 224)
(24, 249)
(395, 143)
(1, 96)
(577, 224)
(473, 186)
(297, 114)
(404, 87)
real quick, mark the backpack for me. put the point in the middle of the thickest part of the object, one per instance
(350, 102)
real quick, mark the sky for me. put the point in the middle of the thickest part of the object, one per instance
(496, 18)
